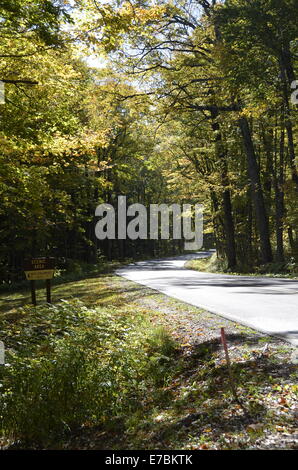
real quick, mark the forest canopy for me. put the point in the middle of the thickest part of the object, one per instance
(189, 101)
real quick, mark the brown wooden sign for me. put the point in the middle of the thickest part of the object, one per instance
(39, 264)
(40, 268)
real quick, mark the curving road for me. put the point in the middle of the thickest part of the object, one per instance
(266, 304)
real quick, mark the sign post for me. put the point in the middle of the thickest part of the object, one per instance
(48, 286)
(33, 293)
(40, 268)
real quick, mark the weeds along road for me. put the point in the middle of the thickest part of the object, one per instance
(266, 304)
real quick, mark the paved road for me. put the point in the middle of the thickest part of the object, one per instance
(267, 304)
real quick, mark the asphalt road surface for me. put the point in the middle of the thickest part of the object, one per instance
(266, 304)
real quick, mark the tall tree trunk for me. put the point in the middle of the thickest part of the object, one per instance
(249, 235)
(258, 196)
(221, 154)
(287, 77)
(293, 243)
(216, 223)
(278, 178)
(267, 137)
(228, 221)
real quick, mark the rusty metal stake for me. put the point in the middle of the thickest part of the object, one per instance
(225, 346)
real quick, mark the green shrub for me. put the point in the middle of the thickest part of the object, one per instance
(70, 366)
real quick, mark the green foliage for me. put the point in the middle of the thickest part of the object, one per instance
(211, 68)
(72, 137)
(33, 19)
(70, 366)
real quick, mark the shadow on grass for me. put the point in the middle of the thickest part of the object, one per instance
(208, 403)
(96, 295)
(92, 291)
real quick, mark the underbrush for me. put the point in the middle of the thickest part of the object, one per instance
(211, 264)
(217, 265)
(69, 366)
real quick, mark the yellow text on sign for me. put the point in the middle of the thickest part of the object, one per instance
(36, 275)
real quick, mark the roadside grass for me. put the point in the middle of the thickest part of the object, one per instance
(75, 271)
(115, 365)
(91, 291)
(215, 265)
(84, 361)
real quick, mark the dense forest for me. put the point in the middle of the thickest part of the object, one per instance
(184, 101)
(148, 342)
